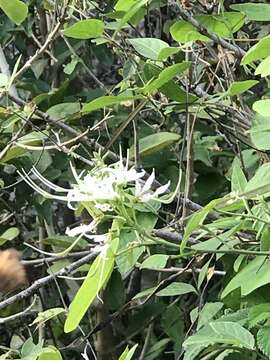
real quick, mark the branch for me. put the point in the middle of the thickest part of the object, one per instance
(40, 51)
(20, 314)
(237, 50)
(89, 142)
(51, 259)
(44, 281)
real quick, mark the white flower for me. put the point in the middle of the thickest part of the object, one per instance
(92, 189)
(101, 186)
(123, 174)
(100, 239)
(81, 229)
(144, 193)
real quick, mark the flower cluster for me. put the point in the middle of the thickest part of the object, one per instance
(104, 189)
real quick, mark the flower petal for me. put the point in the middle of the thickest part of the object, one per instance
(100, 239)
(149, 182)
(162, 189)
(81, 229)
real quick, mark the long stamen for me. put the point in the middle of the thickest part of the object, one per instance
(47, 182)
(41, 191)
(62, 253)
(74, 173)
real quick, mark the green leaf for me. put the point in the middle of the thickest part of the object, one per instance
(263, 340)
(13, 153)
(224, 24)
(260, 183)
(124, 5)
(203, 273)
(176, 289)
(254, 12)
(154, 143)
(220, 332)
(127, 354)
(148, 47)
(250, 278)
(144, 293)
(157, 261)
(196, 221)
(183, 32)
(238, 180)
(132, 10)
(208, 312)
(173, 324)
(265, 238)
(260, 132)
(225, 354)
(85, 29)
(170, 89)
(50, 353)
(96, 278)
(157, 349)
(258, 313)
(264, 68)
(34, 137)
(63, 110)
(30, 350)
(239, 87)
(167, 52)
(16, 10)
(9, 235)
(129, 256)
(47, 315)
(105, 101)
(259, 51)
(193, 351)
(262, 107)
(164, 76)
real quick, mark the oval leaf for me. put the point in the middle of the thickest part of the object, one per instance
(50, 353)
(262, 107)
(16, 10)
(155, 142)
(222, 332)
(85, 29)
(148, 47)
(183, 32)
(176, 289)
(259, 51)
(250, 278)
(239, 87)
(263, 342)
(104, 101)
(157, 261)
(254, 12)
(165, 76)
(264, 68)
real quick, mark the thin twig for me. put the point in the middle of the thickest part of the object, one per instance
(239, 52)
(39, 52)
(45, 280)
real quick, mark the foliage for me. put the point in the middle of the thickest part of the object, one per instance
(134, 179)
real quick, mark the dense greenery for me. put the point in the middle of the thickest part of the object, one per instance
(135, 179)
